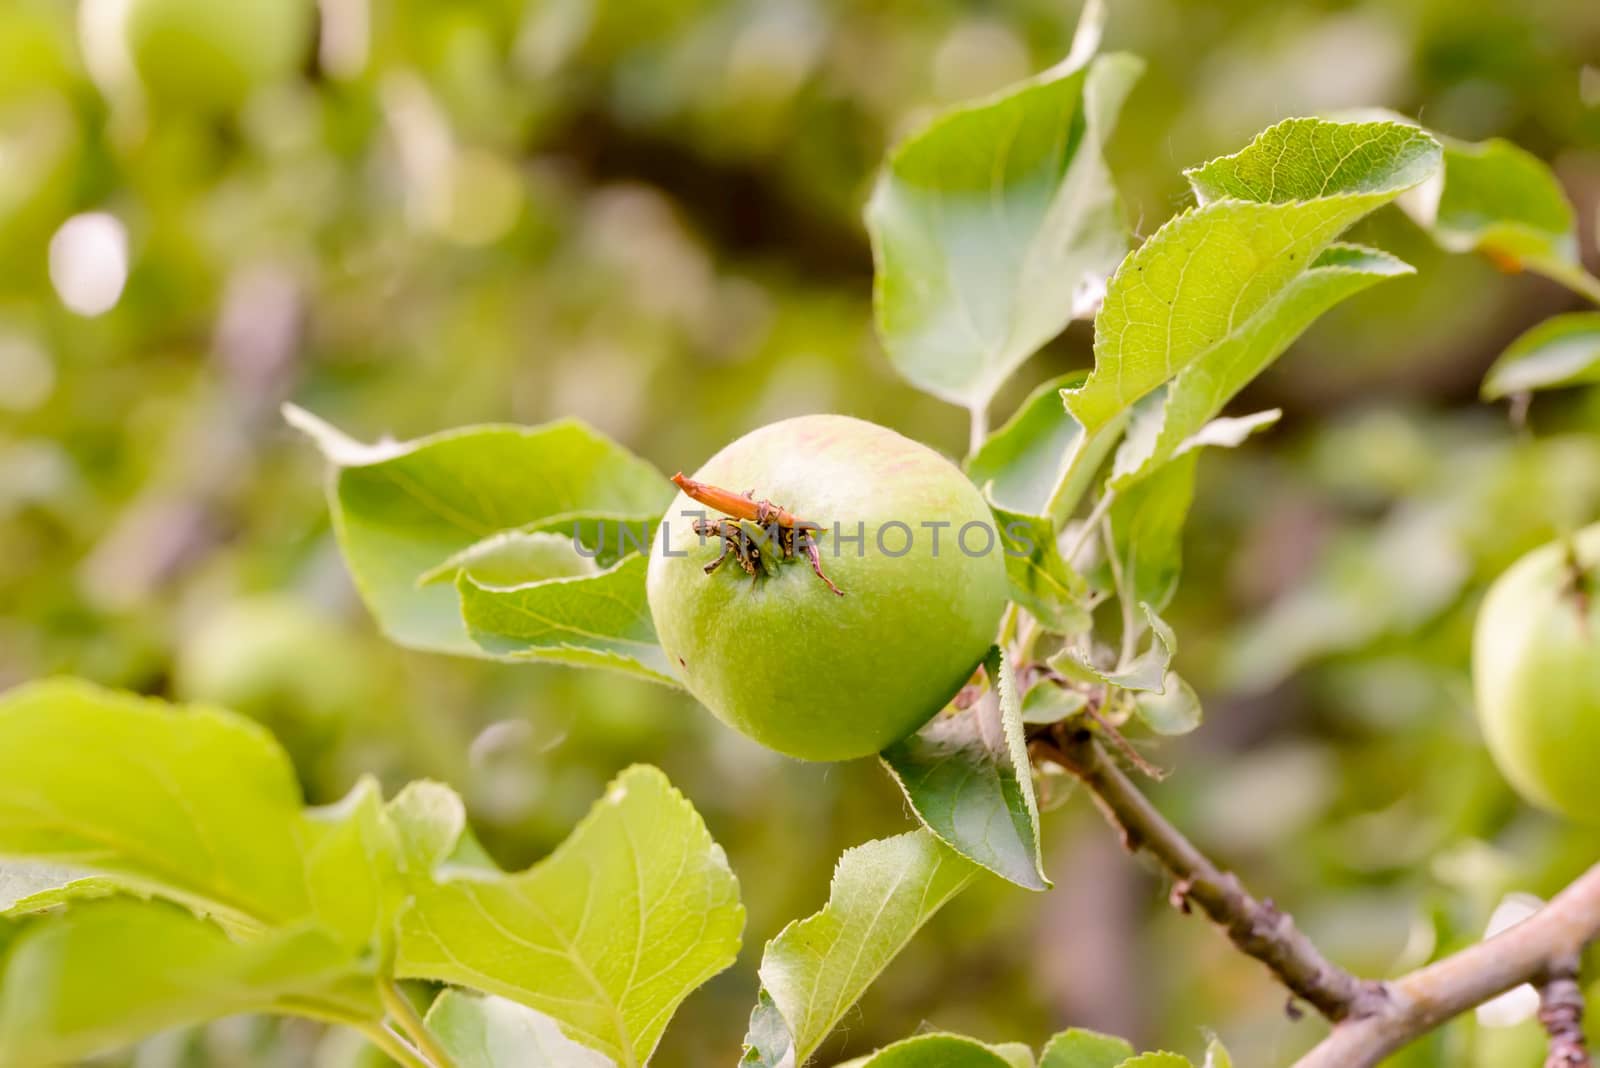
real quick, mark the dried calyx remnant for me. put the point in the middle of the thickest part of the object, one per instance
(759, 535)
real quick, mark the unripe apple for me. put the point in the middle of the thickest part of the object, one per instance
(781, 657)
(1536, 670)
(210, 55)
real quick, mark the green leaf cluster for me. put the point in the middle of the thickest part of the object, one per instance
(517, 543)
(187, 880)
(1187, 321)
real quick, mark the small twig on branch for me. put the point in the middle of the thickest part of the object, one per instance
(1258, 928)
(1551, 938)
(1561, 1013)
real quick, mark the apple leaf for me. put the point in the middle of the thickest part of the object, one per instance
(1078, 1048)
(599, 620)
(564, 546)
(1040, 463)
(1146, 672)
(192, 804)
(403, 511)
(945, 1051)
(816, 968)
(1022, 463)
(1166, 421)
(102, 974)
(1148, 510)
(987, 224)
(1041, 580)
(1264, 217)
(512, 557)
(1175, 710)
(967, 776)
(1499, 200)
(1561, 351)
(483, 1031)
(606, 936)
(1048, 702)
(1147, 532)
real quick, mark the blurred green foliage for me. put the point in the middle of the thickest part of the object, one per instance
(647, 214)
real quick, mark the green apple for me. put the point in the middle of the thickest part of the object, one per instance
(1536, 670)
(211, 55)
(784, 659)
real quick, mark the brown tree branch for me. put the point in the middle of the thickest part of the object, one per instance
(1257, 927)
(1371, 1018)
(1428, 997)
(1561, 1013)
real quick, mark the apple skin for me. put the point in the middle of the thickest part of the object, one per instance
(786, 661)
(210, 55)
(1536, 672)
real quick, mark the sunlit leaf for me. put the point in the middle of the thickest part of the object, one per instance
(988, 222)
(1265, 215)
(483, 1031)
(816, 968)
(1166, 422)
(600, 620)
(606, 936)
(193, 804)
(104, 973)
(1561, 351)
(403, 510)
(1078, 1048)
(967, 776)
